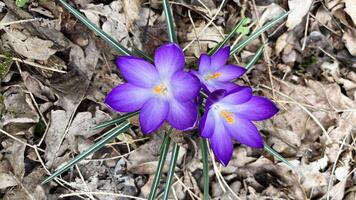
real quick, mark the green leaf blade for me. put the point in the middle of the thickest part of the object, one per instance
(162, 158)
(116, 121)
(278, 156)
(110, 136)
(234, 31)
(170, 174)
(172, 35)
(204, 151)
(257, 33)
(254, 59)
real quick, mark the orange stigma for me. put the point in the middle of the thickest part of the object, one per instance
(160, 89)
(228, 116)
(213, 76)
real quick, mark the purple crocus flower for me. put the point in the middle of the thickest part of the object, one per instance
(215, 74)
(229, 115)
(162, 91)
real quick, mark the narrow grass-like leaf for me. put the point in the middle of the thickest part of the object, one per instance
(204, 151)
(257, 33)
(162, 159)
(110, 136)
(254, 59)
(172, 35)
(278, 156)
(142, 54)
(172, 167)
(115, 121)
(121, 49)
(235, 30)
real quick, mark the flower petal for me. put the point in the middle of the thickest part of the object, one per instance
(221, 144)
(137, 71)
(214, 97)
(207, 124)
(182, 115)
(237, 96)
(257, 108)
(220, 58)
(185, 86)
(245, 132)
(169, 59)
(127, 98)
(204, 63)
(153, 114)
(217, 85)
(230, 72)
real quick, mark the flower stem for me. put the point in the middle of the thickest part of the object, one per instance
(172, 167)
(204, 151)
(162, 159)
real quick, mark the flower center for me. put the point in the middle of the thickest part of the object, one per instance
(213, 76)
(228, 116)
(160, 89)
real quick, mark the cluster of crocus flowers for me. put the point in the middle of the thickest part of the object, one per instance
(163, 91)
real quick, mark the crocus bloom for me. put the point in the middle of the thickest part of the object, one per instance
(215, 74)
(229, 115)
(162, 91)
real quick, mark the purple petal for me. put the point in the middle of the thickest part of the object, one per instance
(257, 108)
(182, 115)
(217, 85)
(245, 132)
(153, 114)
(221, 144)
(185, 86)
(204, 63)
(207, 124)
(137, 71)
(214, 97)
(230, 72)
(237, 96)
(220, 58)
(169, 59)
(127, 98)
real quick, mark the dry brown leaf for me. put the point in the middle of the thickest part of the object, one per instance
(30, 47)
(15, 156)
(19, 107)
(115, 18)
(131, 10)
(349, 39)
(82, 126)
(7, 180)
(350, 9)
(299, 10)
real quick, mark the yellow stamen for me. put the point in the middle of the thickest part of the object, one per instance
(160, 89)
(228, 116)
(213, 76)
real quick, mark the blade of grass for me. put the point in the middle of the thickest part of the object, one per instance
(170, 22)
(142, 54)
(235, 30)
(257, 33)
(116, 45)
(172, 167)
(110, 136)
(116, 121)
(254, 59)
(121, 49)
(278, 156)
(162, 159)
(204, 151)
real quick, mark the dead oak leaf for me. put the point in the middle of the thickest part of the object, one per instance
(299, 10)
